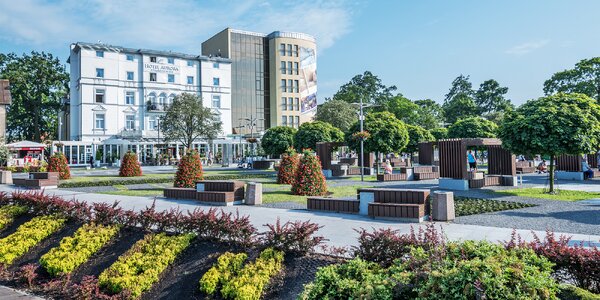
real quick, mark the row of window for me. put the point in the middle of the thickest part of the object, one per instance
(170, 60)
(289, 50)
(170, 77)
(289, 103)
(162, 98)
(100, 122)
(289, 68)
(290, 86)
(291, 121)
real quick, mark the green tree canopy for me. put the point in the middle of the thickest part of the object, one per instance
(404, 109)
(387, 133)
(461, 86)
(338, 113)
(38, 82)
(439, 133)
(584, 79)
(430, 114)
(186, 120)
(416, 135)
(368, 86)
(459, 107)
(310, 133)
(277, 140)
(553, 125)
(473, 127)
(490, 98)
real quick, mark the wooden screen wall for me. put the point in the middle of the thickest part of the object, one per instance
(592, 160)
(453, 160)
(324, 153)
(501, 161)
(426, 153)
(570, 163)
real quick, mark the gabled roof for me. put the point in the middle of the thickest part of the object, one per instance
(25, 144)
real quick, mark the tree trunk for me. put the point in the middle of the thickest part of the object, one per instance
(551, 191)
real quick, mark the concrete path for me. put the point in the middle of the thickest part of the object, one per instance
(338, 229)
(7, 293)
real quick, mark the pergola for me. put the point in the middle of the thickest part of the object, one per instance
(324, 150)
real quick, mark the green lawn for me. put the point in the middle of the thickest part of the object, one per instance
(562, 195)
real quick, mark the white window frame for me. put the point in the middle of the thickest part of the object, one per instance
(217, 99)
(128, 56)
(103, 121)
(100, 53)
(132, 75)
(96, 93)
(152, 123)
(190, 63)
(216, 81)
(171, 60)
(190, 81)
(169, 77)
(127, 93)
(128, 122)
(97, 73)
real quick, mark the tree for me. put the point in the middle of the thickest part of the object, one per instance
(38, 83)
(430, 114)
(387, 134)
(439, 133)
(461, 86)
(459, 107)
(338, 113)
(310, 133)
(189, 170)
(310, 180)
(130, 167)
(584, 79)
(187, 120)
(58, 163)
(404, 109)
(489, 98)
(367, 86)
(277, 140)
(416, 135)
(286, 174)
(473, 127)
(553, 125)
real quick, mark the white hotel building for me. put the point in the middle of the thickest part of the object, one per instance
(118, 94)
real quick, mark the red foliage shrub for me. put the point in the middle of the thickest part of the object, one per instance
(28, 273)
(572, 262)
(130, 166)
(288, 167)
(189, 171)
(58, 163)
(309, 177)
(227, 227)
(296, 237)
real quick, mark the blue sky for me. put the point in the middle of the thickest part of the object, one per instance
(419, 46)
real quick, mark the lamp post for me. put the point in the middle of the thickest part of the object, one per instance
(251, 123)
(361, 117)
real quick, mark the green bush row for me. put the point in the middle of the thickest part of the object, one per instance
(228, 265)
(142, 180)
(8, 213)
(141, 266)
(27, 236)
(75, 250)
(472, 206)
(571, 292)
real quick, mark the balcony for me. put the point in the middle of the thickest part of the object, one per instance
(130, 133)
(155, 107)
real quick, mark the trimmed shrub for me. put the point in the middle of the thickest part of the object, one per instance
(288, 167)
(309, 177)
(189, 171)
(252, 279)
(140, 267)
(58, 163)
(27, 236)
(75, 250)
(292, 237)
(9, 212)
(130, 167)
(571, 292)
(228, 264)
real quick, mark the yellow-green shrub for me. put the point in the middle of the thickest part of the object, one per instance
(252, 279)
(75, 250)
(9, 212)
(140, 266)
(27, 236)
(227, 266)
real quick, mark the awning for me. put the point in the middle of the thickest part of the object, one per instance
(26, 145)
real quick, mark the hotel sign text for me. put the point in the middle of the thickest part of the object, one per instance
(158, 68)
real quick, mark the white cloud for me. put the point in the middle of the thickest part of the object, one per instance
(528, 47)
(177, 25)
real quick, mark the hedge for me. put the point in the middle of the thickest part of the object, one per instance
(128, 181)
(75, 250)
(27, 236)
(228, 264)
(252, 279)
(9, 212)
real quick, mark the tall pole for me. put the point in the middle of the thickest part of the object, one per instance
(362, 145)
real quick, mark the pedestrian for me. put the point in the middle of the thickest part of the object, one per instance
(588, 173)
(472, 161)
(91, 162)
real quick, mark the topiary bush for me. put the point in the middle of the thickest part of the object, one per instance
(130, 167)
(58, 163)
(309, 177)
(288, 167)
(189, 171)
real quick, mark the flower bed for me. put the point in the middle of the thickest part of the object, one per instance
(27, 236)
(141, 266)
(8, 214)
(228, 264)
(464, 206)
(75, 250)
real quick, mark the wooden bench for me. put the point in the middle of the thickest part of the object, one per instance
(333, 204)
(236, 187)
(356, 171)
(492, 180)
(263, 164)
(399, 204)
(340, 169)
(476, 183)
(425, 176)
(392, 177)
(180, 193)
(216, 197)
(396, 211)
(38, 180)
(352, 161)
(525, 167)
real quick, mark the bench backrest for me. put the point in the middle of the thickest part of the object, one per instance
(222, 186)
(400, 196)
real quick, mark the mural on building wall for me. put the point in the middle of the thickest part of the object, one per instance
(308, 82)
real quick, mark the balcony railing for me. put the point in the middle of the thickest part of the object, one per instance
(130, 133)
(156, 107)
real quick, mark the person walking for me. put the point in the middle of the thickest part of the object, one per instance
(472, 161)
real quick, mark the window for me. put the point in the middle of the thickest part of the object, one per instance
(99, 73)
(283, 103)
(129, 57)
(190, 80)
(216, 81)
(283, 88)
(296, 86)
(152, 123)
(290, 69)
(216, 101)
(162, 98)
(291, 103)
(99, 53)
(282, 49)
(152, 98)
(289, 49)
(130, 122)
(170, 99)
(129, 75)
(283, 121)
(99, 96)
(283, 67)
(153, 59)
(296, 50)
(170, 60)
(171, 78)
(296, 68)
(190, 63)
(290, 88)
(129, 98)
(152, 76)
(99, 121)
(297, 102)
(216, 65)
(297, 121)
(291, 121)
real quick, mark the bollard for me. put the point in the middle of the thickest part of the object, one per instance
(443, 206)
(253, 193)
(6, 177)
